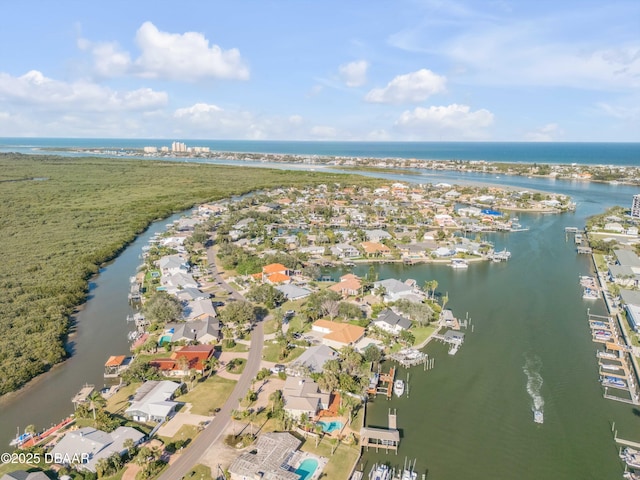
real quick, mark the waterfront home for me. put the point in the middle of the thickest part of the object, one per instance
(89, 445)
(628, 258)
(312, 360)
(268, 459)
(173, 283)
(631, 301)
(444, 220)
(375, 249)
(184, 360)
(349, 285)
(344, 250)
(204, 330)
(623, 275)
(395, 290)
(172, 264)
(189, 294)
(153, 401)
(199, 310)
(302, 395)
(391, 322)
(338, 335)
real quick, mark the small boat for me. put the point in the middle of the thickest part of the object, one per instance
(459, 263)
(538, 416)
(398, 388)
(613, 368)
(613, 382)
(408, 471)
(590, 294)
(20, 439)
(380, 472)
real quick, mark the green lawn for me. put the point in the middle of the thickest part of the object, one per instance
(120, 401)
(238, 348)
(238, 367)
(270, 326)
(271, 353)
(186, 432)
(340, 463)
(12, 467)
(199, 472)
(208, 395)
(422, 333)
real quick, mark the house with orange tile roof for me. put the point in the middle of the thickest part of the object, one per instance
(195, 358)
(375, 249)
(276, 273)
(349, 285)
(338, 335)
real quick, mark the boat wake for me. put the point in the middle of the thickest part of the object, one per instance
(532, 368)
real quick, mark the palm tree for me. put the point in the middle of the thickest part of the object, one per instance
(96, 399)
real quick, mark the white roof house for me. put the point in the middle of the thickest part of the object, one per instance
(90, 445)
(153, 401)
(394, 289)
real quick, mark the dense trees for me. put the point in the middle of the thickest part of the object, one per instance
(162, 307)
(56, 232)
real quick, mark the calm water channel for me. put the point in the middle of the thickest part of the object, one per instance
(470, 417)
(100, 331)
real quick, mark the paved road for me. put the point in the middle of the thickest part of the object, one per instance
(191, 456)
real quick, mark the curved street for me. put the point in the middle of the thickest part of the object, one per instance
(191, 455)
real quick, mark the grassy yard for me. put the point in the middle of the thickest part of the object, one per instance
(200, 472)
(12, 467)
(270, 326)
(422, 333)
(238, 348)
(120, 401)
(186, 433)
(237, 366)
(340, 463)
(208, 395)
(271, 353)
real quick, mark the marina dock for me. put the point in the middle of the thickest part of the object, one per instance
(382, 383)
(386, 438)
(83, 395)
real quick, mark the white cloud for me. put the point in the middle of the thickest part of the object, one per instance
(35, 90)
(295, 120)
(187, 57)
(323, 132)
(546, 133)
(409, 88)
(354, 74)
(621, 112)
(457, 121)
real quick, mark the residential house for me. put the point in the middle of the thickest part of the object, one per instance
(267, 459)
(185, 359)
(189, 294)
(312, 360)
(91, 445)
(391, 322)
(175, 282)
(302, 395)
(349, 285)
(153, 401)
(293, 292)
(199, 310)
(375, 249)
(338, 335)
(631, 301)
(344, 250)
(204, 330)
(276, 273)
(171, 264)
(395, 290)
(377, 235)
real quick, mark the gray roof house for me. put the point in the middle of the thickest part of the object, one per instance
(628, 258)
(172, 264)
(199, 309)
(312, 360)
(268, 459)
(205, 330)
(302, 396)
(391, 322)
(153, 401)
(90, 445)
(377, 235)
(190, 293)
(293, 292)
(23, 475)
(394, 289)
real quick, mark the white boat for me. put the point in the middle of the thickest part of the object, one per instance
(538, 416)
(398, 388)
(613, 368)
(613, 382)
(380, 472)
(459, 263)
(590, 294)
(408, 472)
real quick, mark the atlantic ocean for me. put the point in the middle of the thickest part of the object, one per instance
(619, 154)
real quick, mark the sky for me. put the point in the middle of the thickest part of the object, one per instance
(402, 70)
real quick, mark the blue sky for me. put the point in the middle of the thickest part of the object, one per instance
(492, 70)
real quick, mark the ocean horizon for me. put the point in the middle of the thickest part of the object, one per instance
(585, 153)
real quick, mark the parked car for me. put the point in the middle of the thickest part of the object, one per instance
(277, 368)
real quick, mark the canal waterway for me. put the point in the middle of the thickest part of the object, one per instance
(99, 330)
(469, 417)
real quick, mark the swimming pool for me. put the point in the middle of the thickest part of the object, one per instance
(330, 427)
(307, 468)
